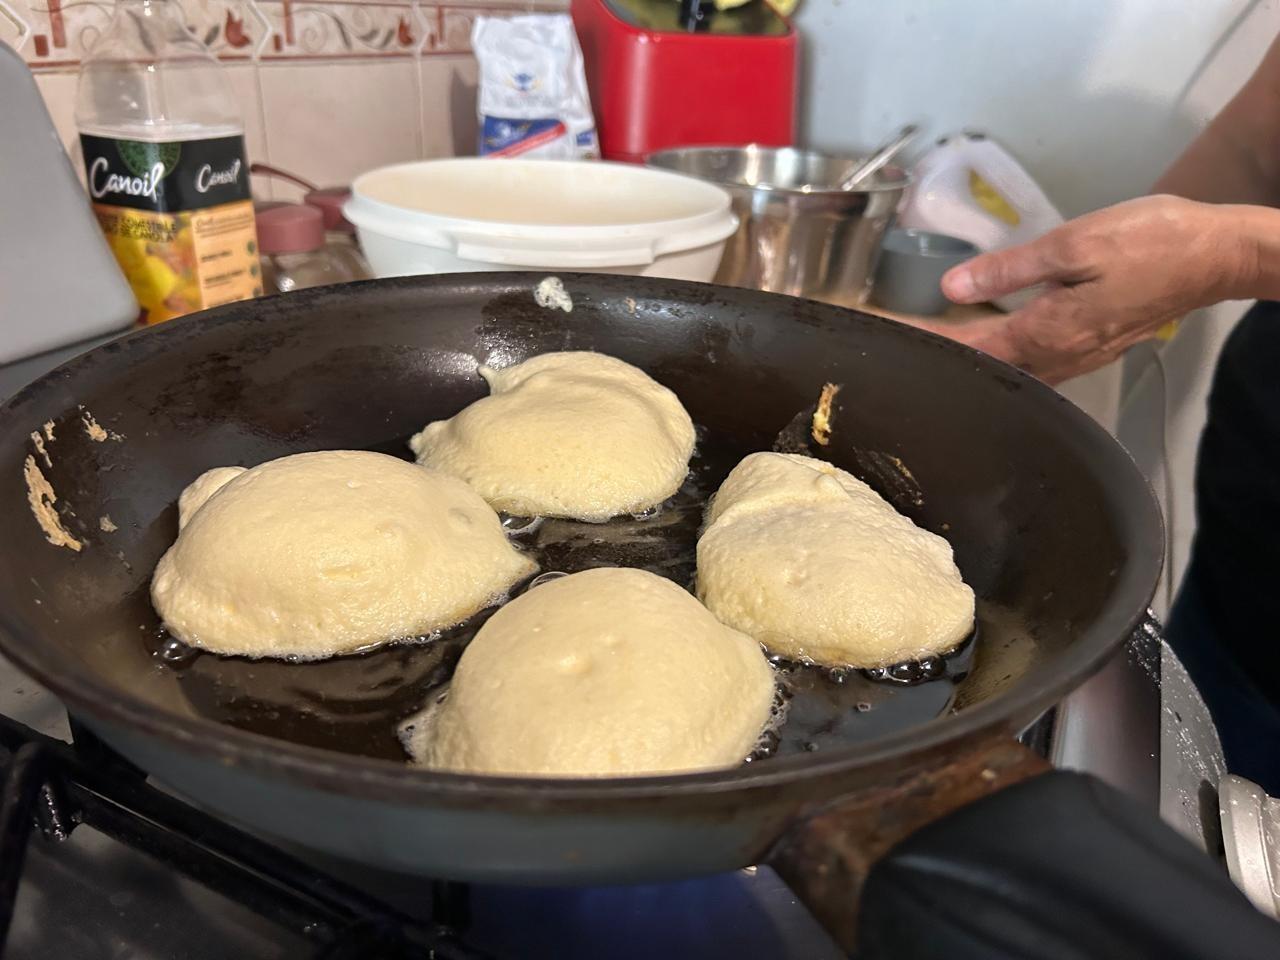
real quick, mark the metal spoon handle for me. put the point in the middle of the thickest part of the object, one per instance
(879, 157)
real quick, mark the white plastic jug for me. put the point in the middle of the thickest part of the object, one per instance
(968, 186)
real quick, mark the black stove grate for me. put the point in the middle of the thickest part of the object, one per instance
(57, 786)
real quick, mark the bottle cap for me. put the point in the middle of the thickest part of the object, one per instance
(290, 228)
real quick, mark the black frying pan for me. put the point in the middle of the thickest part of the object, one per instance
(1051, 523)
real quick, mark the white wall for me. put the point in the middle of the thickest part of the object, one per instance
(1095, 97)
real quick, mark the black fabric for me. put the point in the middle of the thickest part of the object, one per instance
(1059, 867)
(1248, 721)
(1237, 552)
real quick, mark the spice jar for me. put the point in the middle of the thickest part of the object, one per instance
(291, 239)
(339, 232)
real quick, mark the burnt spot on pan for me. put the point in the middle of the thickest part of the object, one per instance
(810, 433)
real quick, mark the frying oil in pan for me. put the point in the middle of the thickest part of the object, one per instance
(355, 703)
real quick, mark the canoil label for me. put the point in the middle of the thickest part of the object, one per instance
(178, 217)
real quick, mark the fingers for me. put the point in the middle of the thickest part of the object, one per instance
(1055, 337)
(969, 332)
(992, 275)
(994, 335)
(1048, 337)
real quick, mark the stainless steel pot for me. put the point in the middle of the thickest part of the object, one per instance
(800, 233)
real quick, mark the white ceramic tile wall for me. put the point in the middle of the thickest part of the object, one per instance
(327, 88)
(59, 92)
(448, 91)
(328, 122)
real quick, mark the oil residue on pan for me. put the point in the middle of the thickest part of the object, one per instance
(355, 703)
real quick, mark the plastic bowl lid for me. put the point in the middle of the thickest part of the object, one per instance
(542, 213)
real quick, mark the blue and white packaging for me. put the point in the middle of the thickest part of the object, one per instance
(533, 98)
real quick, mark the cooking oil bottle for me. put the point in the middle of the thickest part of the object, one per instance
(165, 164)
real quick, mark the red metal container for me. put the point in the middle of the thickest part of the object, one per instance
(655, 83)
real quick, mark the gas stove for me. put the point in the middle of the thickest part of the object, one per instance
(117, 867)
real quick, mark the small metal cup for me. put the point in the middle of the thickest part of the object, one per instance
(909, 275)
(800, 233)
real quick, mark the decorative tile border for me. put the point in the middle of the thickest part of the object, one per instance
(56, 34)
(332, 29)
(60, 32)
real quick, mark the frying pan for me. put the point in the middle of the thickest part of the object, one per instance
(1050, 520)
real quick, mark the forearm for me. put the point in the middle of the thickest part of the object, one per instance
(1252, 234)
(1219, 167)
(1237, 157)
(1116, 276)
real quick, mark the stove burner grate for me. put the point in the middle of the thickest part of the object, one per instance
(57, 786)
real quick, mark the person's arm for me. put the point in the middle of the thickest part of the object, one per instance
(1236, 159)
(1259, 228)
(1118, 275)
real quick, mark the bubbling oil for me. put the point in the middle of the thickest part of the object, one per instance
(360, 703)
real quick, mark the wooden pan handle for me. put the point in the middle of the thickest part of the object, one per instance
(825, 857)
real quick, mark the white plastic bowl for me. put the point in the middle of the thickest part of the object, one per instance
(449, 216)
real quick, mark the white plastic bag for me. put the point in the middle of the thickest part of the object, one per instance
(533, 91)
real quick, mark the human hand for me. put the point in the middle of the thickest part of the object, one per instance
(1115, 277)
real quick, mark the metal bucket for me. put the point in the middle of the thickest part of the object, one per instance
(800, 233)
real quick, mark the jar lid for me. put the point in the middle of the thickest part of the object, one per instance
(290, 228)
(329, 201)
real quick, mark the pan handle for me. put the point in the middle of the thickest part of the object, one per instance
(826, 857)
(1059, 867)
(993, 857)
